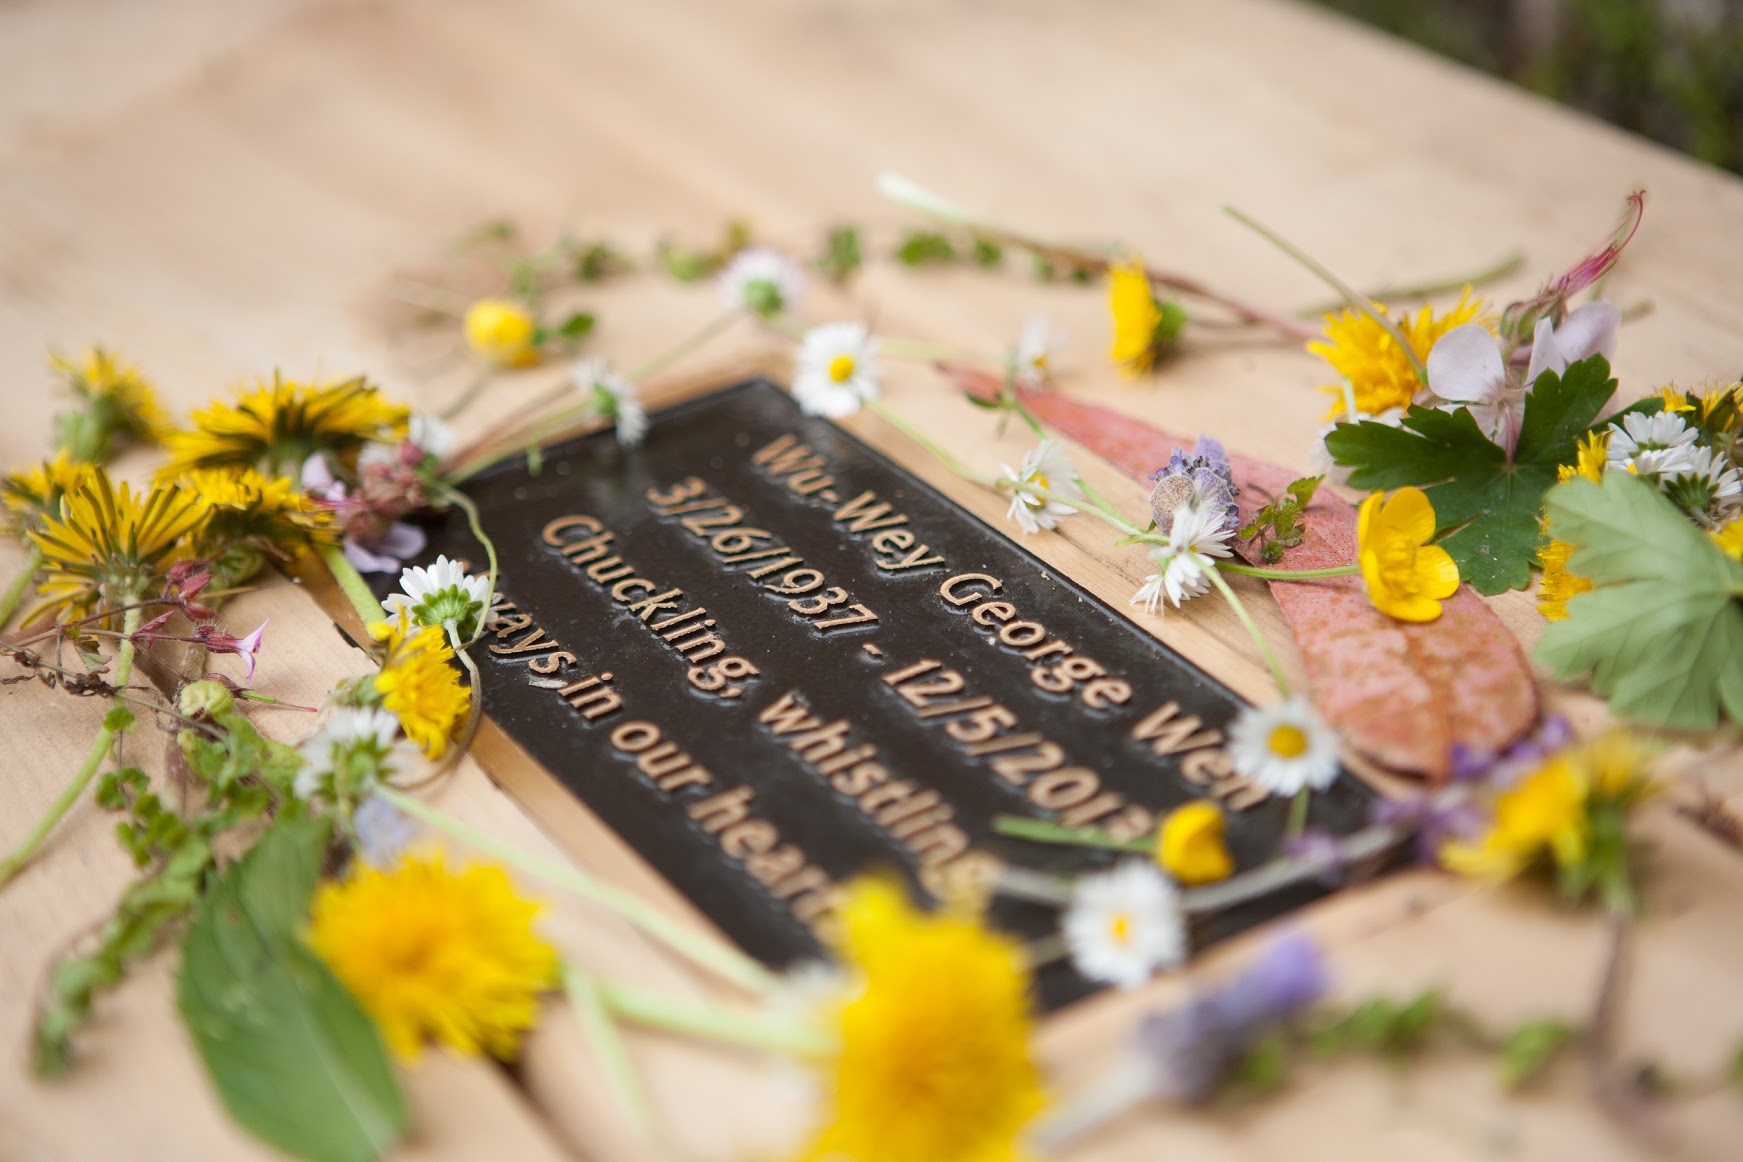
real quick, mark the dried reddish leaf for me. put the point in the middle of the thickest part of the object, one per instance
(1399, 693)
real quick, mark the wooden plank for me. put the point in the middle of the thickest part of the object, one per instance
(246, 201)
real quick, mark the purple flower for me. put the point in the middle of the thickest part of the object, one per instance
(218, 641)
(373, 543)
(383, 831)
(1204, 480)
(1193, 1047)
(1436, 818)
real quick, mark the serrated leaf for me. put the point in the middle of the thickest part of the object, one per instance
(293, 1056)
(1661, 632)
(1491, 505)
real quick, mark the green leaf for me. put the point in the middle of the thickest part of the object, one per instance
(924, 246)
(1530, 1049)
(1492, 505)
(840, 257)
(293, 1056)
(575, 326)
(1662, 629)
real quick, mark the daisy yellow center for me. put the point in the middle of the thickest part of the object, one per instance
(1286, 741)
(1120, 928)
(841, 368)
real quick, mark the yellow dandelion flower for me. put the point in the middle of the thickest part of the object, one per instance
(501, 333)
(1544, 813)
(419, 684)
(1378, 371)
(1407, 578)
(31, 494)
(436, 955)
(276, 427)
(1589, 463)
(111, 544)
(249, 508)
(117, 399)
(1190, 844)
(1136, 316)
(934, 1064)
(1730, 539)
(1558, 585)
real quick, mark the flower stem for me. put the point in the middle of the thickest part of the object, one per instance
(585, 995)
(15, 591)
(352, 584)
(730, 1026)
(660, 362)
(699, 948)
(465, 398)
(1289, 574)
(883, 412)
(1297, 815)
(1353, 297)
(1240, 609)
(476, 524)
(100, 745)
(1494, 272)
(1044, 831)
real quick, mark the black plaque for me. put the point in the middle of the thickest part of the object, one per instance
(747, 537)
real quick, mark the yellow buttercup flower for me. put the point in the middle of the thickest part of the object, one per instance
(276, 427)
(934, 1064)
(1544, 812)
(1730, 538)
(1379, 372)
(1190, 844)
(249, 508)
(1136, 315)
(1407, 577)
(502, 333)
(111, 544)
(117, 398)
(435, 955)
(31, 494)
(420, 686)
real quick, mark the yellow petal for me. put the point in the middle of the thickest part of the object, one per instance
(1410, 512)
(1437, 574)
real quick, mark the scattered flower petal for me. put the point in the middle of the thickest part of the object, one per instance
(1284, 748)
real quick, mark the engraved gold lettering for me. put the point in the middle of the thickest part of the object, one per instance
(551, 533)
(955, 592)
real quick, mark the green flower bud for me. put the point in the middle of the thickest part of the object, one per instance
(206, 697)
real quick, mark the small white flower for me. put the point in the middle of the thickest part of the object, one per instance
(762, 281)
(348, 735)
(431, 434)
(442, 593)
(1123, 925)
(835, 370)
(1037, 344)
(1046, 467)
(1709, 488)
(1651, 445)
(1183, 565)
(1285, 747)
(614, 395)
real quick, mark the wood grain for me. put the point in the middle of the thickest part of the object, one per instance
(219, 189)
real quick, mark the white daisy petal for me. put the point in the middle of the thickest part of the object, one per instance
(1123, 926)
(1284, 748)
(1037, 346)
(345, 731)
(835, 370)
(1047, 467)
(762, 281)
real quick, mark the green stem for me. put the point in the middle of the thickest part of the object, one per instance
(100, 745)
(1289, 574)
(1350, 294)
(1422, 290)
(476, 524)
(750, 1029)
(660, 362)
(465, 398)
(351, 583)
(699, 948)
(883, 412)
(15, 591)
(1297, 815)
(586, 996)
(1216, 578)
(1043, 831)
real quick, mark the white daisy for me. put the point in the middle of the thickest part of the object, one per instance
(835, 371)
(431, 434)
(614, 396)
(1285, 747)
(1651, 444)
(762, 281)
(442, 593)
(1037, 344)
(1183, 565)
(352, 746)
(1709, 488)
(1123, 925)
(1046, 467)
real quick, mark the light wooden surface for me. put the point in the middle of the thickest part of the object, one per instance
(221, 188)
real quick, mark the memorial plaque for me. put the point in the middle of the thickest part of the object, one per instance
(770, 658)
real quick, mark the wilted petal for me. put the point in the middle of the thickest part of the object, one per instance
(1466, 365)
